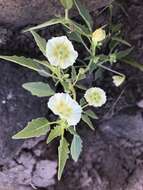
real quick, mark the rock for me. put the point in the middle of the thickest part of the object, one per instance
(128, 124)
(19, 13)
(44, 173)
(16, 107)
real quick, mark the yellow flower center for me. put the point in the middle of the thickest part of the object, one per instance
(61, 51)
(64, 109)
(95, 97)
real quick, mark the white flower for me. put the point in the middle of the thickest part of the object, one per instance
(95, 97)
(118, 80)
(60, 52)
(65, 107)
(99, 35)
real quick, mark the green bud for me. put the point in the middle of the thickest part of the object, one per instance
(67, 4)
(82, 71)
(66, 75)
(113, 58)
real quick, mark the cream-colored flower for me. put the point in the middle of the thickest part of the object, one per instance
(99, 35)
(65, 107)
(60, 52)
(118, 80)
(95, 97)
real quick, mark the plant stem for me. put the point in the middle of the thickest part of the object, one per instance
(85, 106)
(73, 92)
(66, 14)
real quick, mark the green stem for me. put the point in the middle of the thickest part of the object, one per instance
(85, 106)
(73, 92)
(111, 70)
(66, 14)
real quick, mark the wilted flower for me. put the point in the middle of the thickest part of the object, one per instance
(99, 35)
(95, 97)
(60, 52)
(65, 107)
(118, 80)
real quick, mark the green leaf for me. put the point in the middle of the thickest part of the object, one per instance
(73, 74)
(124, 53)
(84, 13)
(67, 4)
(72, 131)
(46, 24)
(83, 101)
(121, 41)
(35, 128)
(63, 151)
(39, 89)
(91, 114)
(76, 147)
(41, 42)
(56, 132)
(133, 63)
(87, 120)
(80, 86)
(73, 36)
(23, 61)
(78, 28)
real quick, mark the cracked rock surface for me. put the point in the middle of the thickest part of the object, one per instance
(19, 13)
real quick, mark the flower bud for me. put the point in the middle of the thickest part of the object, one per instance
(118, 80)
(81, 71)
(99, 35)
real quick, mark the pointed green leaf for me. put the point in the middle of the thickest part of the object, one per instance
(124, 53)
(56, 132)
(46, 24)
(63, 151)
(67, 4)
(84, 13)
(39, 89)
(23, 61)
(73, 74)
(121, 41)
(76, 147)
(41, 42)
(133, 63)
(83, 101)
(72, 131)
(74, 36)
(35, 128)
(87, 120)
(91, 114)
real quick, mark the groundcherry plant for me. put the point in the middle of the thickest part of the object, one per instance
(63, 66)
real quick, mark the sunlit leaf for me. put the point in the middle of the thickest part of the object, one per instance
(63, 152)
(76, 147)
(39, 89)
(87, 120)
(41, 42)
(35, 128)
(54, 133)
(91, 114)
(23, 61)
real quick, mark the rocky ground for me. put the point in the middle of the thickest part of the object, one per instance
(112, 158)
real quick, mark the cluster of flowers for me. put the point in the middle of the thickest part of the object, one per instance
(61, 53)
